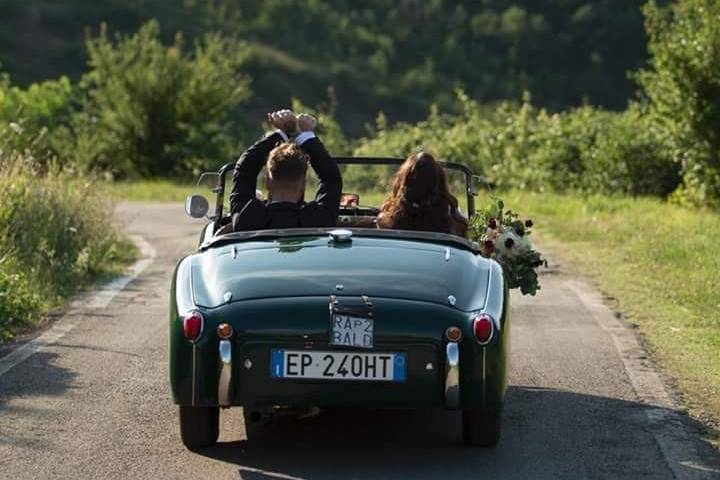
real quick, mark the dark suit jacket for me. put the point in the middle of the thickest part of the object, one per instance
(249, 213)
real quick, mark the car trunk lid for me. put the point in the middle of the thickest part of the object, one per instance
(376, 267)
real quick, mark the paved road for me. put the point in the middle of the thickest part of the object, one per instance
(584, 402)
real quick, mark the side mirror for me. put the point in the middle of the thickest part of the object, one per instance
(196, 206)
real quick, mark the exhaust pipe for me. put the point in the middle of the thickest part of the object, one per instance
(264, 417)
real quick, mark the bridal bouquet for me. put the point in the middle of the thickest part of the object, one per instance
(504, 237)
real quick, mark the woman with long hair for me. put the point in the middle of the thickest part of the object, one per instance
(421, 200)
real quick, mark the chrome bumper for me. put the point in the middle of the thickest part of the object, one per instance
(452, 375)
(225, 353)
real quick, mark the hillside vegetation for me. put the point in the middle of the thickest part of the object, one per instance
(152, 106)
(666, 143)
(389, 55)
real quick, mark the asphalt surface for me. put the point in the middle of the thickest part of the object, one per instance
(584, 401)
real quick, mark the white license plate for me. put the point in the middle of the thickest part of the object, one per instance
(325, 365)
(351, 331)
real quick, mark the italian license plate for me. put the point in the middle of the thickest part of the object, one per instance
(326, 365)
(351, 331)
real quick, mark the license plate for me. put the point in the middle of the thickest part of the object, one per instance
(324, 365)
(351, 331)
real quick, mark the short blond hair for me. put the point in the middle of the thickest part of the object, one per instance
(287, 163)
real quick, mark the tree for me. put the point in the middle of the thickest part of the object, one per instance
(151, 109)
(682, 85)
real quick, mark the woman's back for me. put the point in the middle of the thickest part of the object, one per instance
(420, 199)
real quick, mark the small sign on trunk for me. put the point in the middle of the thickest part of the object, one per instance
(349, 331)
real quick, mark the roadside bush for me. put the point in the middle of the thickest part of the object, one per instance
(520, 146)
(35, 115)
(155, 110)
(56, 234)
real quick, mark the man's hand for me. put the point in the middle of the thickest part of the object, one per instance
(306, 122)
(284, 120)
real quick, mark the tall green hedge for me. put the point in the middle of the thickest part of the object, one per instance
(522, 146)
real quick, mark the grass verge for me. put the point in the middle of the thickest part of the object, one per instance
(56, 237)
(158, 190)
(662, 265)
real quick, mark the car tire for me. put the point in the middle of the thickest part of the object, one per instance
(199, 426)
(481, 427)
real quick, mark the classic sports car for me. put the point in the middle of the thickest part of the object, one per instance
(351, 316)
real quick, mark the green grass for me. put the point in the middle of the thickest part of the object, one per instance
(662, 265)
(160, 190)
(154, 190)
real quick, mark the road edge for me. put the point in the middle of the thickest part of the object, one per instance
(97, 298)
(666, 422)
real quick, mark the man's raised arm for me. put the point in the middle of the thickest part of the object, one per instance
(248, 168)
(253, 159)
(330, 189)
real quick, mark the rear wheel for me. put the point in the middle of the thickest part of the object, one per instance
(199, 426)
(481, 427)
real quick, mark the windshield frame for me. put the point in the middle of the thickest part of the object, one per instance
(219, 189)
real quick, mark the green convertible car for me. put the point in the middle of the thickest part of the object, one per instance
(353, 316)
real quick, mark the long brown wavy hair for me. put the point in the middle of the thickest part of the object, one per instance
(421, 200)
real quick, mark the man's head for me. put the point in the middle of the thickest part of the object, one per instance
(286, 168)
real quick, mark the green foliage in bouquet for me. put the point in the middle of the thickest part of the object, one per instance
(504, 237)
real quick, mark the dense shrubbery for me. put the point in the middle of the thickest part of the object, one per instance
(521, 146)
(31, 118)
(56, 233)
(143, 108)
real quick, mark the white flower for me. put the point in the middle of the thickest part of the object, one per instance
(510, 244)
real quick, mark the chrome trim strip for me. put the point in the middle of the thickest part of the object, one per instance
(184, 294)
(225, 354)
(484, 383)
(194, 357)
(452, 375)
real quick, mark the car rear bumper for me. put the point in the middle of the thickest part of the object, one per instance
(255, 386)
(236, 372)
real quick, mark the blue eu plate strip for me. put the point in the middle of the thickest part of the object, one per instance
(399, 368)
(277, 364)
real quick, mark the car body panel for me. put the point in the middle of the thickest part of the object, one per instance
(307, 266)
(280, 295)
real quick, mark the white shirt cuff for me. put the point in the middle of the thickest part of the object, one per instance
(304, 137)
(282, 134)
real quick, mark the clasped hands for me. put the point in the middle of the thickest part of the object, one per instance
(288, 122)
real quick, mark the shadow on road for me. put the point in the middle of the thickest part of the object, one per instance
(54, 382)
(547, 434)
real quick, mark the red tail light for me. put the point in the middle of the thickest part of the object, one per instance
(483, 327)
(193, 326)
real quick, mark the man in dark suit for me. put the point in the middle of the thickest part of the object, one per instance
(286, 153)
